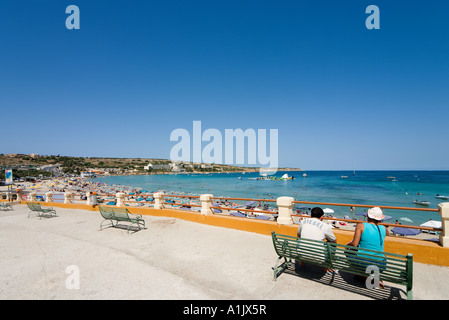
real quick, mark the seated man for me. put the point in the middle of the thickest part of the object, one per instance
(315, 229)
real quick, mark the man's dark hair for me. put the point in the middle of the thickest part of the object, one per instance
(317, 212)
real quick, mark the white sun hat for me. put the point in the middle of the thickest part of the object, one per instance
(376, 213)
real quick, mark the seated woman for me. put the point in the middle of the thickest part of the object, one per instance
(369, 235)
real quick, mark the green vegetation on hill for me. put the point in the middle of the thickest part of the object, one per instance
(26, 165)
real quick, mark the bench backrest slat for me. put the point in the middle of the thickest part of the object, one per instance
(121, 214)
(106, 212)
(33, 206)
(115, 213)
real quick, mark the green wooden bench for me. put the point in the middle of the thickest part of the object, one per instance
(393, 268)
(5, 206)
(118, 214)
(40, 210)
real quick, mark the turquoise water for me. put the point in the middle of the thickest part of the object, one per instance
(365, 187)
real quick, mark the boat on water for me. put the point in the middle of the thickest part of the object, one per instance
(344, 177)
(265, 177)
(422, 203)
(442, 197)
(286, 177)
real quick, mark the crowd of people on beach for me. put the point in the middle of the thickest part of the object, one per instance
(106, 195)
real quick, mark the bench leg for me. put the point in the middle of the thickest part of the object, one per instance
(139, 224)
(278, 269)
(112, 223)
(409, 294)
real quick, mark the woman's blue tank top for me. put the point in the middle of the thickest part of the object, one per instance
(372, 237)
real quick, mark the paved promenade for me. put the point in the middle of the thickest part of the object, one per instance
(171, 259)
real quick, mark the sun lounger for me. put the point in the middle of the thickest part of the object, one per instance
(237, 214)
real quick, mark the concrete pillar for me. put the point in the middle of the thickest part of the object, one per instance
(68, 197)
(93, 199)
(49, 197)
(206, 203)
(19, 196)
(443, 211)
(285, 206)
(33, 196)
(120, 199)
(158, 200)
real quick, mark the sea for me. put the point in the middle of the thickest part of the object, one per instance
(376, 188)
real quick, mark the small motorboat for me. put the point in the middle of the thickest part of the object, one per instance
(422, 203)
(442, 197)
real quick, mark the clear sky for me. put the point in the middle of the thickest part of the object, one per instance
(340, 95)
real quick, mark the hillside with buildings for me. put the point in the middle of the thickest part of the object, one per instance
(43, 165)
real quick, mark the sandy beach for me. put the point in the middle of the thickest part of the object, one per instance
(171, 259)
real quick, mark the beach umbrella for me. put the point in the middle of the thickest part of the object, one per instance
(405, 231)
(328, 210)
(432, 224)
(361, 214)
(250, 203)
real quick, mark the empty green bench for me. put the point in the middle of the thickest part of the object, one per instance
(117, 214)
(393, 268)
(5, 206)
(40, 210)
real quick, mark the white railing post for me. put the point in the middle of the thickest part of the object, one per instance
(443, 211)
(33, 196)
(88, 198)
(49, 197)
(93, 199)
(206, 203)
(158, 200)
(68, 197)
(120, 199)
(285, 206)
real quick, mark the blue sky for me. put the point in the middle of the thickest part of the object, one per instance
(341, 96)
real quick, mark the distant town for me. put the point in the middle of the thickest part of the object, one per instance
(43, 166)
